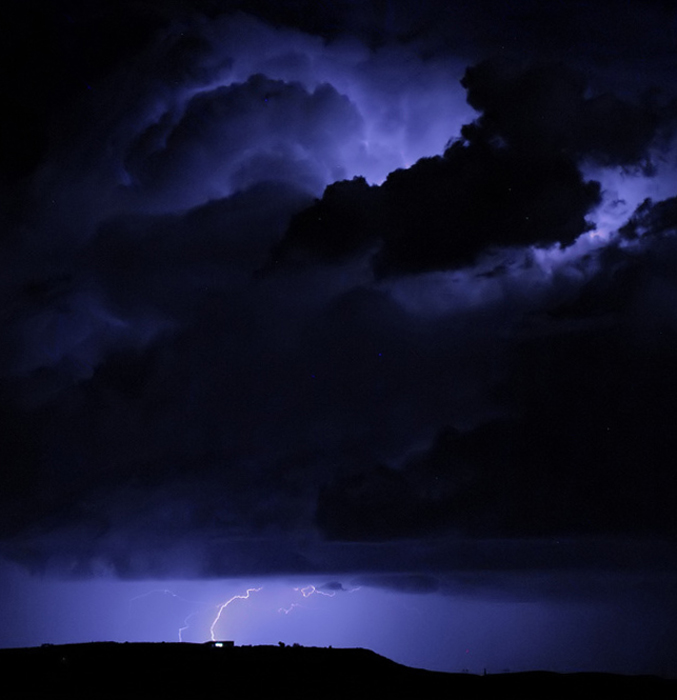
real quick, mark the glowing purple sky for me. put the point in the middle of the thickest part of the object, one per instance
(226, 364)
(511, 624)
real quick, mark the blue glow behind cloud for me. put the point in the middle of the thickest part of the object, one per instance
(258, 102)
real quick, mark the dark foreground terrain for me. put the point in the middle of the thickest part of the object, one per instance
(107, 669)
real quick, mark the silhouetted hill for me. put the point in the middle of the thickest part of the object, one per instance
(106, 669)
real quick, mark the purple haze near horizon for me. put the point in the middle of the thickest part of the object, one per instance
(623, 628)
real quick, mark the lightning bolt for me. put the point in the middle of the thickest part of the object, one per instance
(310, 590)
(286, 611)
(223, 606)
(186, 625)
(201, 608)
(307, 591)
(165, 591)
(168, 592)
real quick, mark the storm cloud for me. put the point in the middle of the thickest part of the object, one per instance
(335, 295)
(512, 178)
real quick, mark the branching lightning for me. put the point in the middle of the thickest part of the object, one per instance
(164, 591)
(307, 591)
(286, 611)
(168, 592)
(185, 625)
(202, 609)
(223, 606)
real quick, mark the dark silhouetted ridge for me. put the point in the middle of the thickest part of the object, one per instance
(105, 669)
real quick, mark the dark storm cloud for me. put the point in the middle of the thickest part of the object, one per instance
(168, 409)
(276, 386)
(585, 444)
(404, 583)
(651, 218)
(333, 586)
(430, 495)
(536, 585)
(513, 179)
(171, 312)
(445, 211)
(548, 108)
(288, 403)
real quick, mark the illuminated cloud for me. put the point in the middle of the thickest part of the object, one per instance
(514, 178)
(233, 137)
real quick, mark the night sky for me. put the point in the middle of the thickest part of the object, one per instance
(363, 311)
